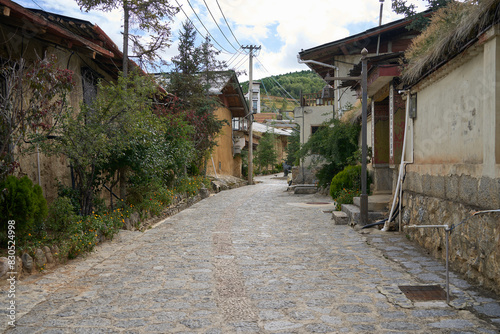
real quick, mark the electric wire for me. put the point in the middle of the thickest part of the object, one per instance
(230, 60)
(213, 39)
(235, 59)
(240, 63)
(267, 94)
(217, 24)
(272, 77)
(38, 5)
(203, 36)
(231, 30)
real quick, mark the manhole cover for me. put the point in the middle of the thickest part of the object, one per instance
(319, 203)
(423, 292)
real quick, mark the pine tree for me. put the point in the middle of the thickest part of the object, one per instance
(196, 70)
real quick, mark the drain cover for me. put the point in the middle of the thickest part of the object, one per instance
(318, 203)
(423, 292)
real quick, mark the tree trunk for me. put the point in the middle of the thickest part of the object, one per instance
(123, 182)
(126, 19)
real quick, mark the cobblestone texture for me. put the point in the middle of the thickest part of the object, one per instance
(255, 259)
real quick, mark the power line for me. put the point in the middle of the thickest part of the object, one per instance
(272, 77)
(235, 59)
(206, 28)
(231, 30)
(190, 20)
(213, 18)
(38, 5)
(240, 63)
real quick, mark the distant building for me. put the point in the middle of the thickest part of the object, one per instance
(255, 97)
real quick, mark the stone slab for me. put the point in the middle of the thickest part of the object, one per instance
(340, 218)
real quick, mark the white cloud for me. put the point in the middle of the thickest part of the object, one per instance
(281, 27)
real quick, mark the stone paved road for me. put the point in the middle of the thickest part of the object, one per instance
(250, 260)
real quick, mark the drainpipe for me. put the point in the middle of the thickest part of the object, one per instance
(399, 186)
(315, 62)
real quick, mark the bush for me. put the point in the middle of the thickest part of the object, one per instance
(349, 178)
(345, 197)
(23, 202)
(347, 184)
(61, 214)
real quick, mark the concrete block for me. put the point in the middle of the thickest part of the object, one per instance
(340, 218)
(375, 202)
(305, 189)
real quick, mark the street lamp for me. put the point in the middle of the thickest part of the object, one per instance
(364, 87)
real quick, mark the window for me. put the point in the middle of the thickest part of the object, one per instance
(254, 108)
(89, 84)
(315, 128)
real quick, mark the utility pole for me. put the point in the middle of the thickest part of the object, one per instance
(250, 119)
(364, 84)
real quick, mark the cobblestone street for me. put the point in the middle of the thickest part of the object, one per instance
(256, 259)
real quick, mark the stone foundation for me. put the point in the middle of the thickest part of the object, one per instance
(474, 245)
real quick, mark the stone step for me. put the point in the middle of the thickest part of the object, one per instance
(305, 189)
(379, 202)
(354, 214)
(340, 218)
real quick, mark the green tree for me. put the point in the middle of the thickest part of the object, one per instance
(409, 11)
(266, 154)
(100, 130)
(293, 148)
(333, 147)
(22, 202)
(150, 16)
(196, 70)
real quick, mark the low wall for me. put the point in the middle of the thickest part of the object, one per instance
(448, 200)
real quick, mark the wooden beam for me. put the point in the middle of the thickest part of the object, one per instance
(327, 78)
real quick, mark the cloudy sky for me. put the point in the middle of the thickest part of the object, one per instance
(281, 27)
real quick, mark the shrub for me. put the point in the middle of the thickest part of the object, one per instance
(349, 178)
(61, 214)
(345, 197)
(348, 181)
(23, 202)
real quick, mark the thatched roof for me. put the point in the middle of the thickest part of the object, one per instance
(451, 30)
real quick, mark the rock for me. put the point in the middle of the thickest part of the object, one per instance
(204, 193)
(55, 252)
(19, 267)
(48, 254)
(131, 222)
(4, 267)
(40, 258)
(27, 262)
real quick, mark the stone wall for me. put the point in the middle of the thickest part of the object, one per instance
(448, 200)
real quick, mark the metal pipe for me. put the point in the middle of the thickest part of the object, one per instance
(401, 165)
(447, 231)
(315, 62)
(364, 84)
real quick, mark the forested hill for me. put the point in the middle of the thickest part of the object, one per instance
(308, 81)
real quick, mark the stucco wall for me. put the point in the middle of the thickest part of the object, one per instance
(53, 169)
(223, 152)
(456, 169)
(448, 126)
